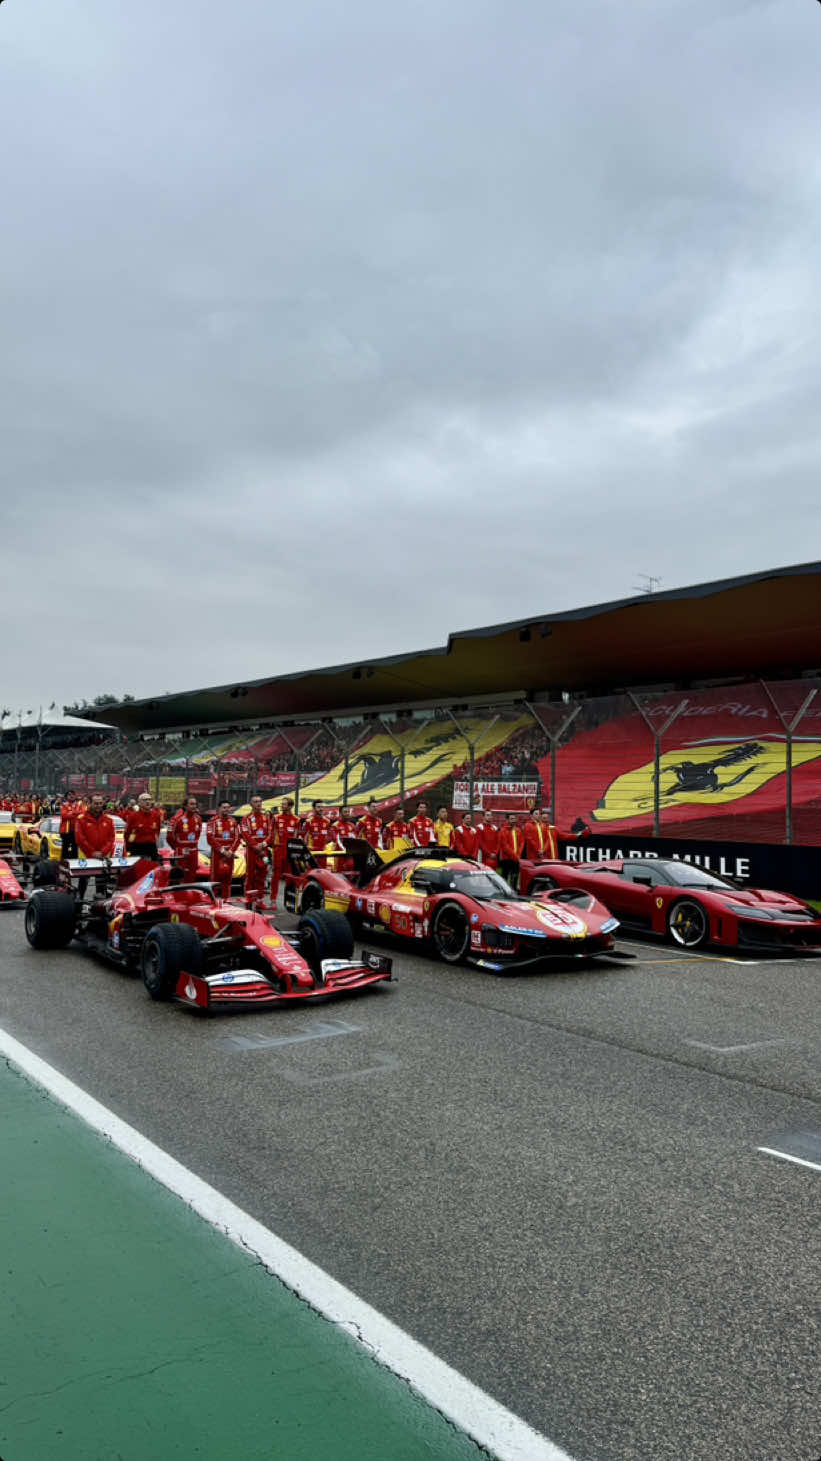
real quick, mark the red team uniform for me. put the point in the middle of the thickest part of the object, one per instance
(142, 827)
(257, 832)
(369, 827)
(421, 831)
(96, 836)
(395, 831)
(489, 843)
(286, 826)
(183, 837)
(223, 838)
(317, 832)
(342, 829)
(466, 841)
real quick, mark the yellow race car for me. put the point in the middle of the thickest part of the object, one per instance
(8, 832)
(42, 839)
(39, 839)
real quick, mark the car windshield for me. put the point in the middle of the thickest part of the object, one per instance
(482, 885)
(685, 875)
(50, 824)
(6, 817)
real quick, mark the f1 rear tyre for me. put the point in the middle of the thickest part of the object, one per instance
(312, 897)
(44, 874)
(51, 919)
(169, 950)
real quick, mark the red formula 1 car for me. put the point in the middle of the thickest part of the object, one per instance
(11, 892)
(687, 903)
(191, 946)
(452, 906)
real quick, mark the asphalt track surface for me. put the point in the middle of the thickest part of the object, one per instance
(552, 1181)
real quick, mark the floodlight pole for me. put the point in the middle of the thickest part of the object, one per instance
(657, 733)
(553, 739)
(789, 728)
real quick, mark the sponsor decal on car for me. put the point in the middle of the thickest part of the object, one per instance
(385, 913)
(272, 941)
(560, 921)
(659, 902)
(476, 938)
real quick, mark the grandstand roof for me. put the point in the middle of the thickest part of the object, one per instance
(765, 623)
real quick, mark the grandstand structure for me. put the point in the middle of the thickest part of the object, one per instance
(693, 713)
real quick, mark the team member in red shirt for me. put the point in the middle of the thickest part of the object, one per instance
(95, 831)
(184, 837)
(489, 840)
(370, 826)
(142, 828)
(397, 830)
(286, 826)
(69, 812)
(343, 827)
(257, 832)
(511, 847)
(466, 837)
(421, 827)
(317, 828)
(223, 836)
(542, 838)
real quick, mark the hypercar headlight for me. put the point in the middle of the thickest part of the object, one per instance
(610, 925)
(763, 914)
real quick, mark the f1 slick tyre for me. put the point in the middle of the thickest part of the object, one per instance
(688, 924)
(450, 931)
(44, 874)
(51, 918)
(168, 950)
(312, 897)
(324, 935)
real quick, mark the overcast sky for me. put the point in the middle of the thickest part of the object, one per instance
(328, 329)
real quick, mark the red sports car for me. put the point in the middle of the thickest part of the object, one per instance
(687, 903)
(452, 906)
(193, 947)
(11, 893)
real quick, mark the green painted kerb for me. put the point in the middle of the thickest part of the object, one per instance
(131, 1331)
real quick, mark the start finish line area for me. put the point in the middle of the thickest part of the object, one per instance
(132, 1329)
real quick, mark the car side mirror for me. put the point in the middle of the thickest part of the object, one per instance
(645, 882)
(421, 885)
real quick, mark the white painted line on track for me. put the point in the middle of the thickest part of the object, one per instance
(481, 1417)
(733, 1049)
(770, 1151)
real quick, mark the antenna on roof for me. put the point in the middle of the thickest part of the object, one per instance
(648, 585)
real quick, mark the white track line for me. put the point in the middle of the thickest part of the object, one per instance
(488, 1423)
(770, 1151)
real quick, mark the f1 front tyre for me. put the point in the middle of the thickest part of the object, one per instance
(169, 950)
(324, 934)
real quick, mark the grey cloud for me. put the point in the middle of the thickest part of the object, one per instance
(475, 297)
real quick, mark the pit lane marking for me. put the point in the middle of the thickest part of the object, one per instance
(320, 1030)
(308, 1082)
(733, 1049)
(494, 1428)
